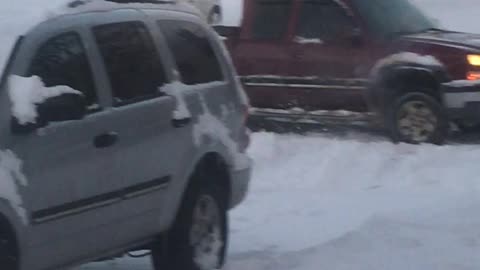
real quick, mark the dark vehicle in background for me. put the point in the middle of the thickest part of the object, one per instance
(381, 56)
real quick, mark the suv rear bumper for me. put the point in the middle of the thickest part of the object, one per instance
(239, 184)
(462, 100)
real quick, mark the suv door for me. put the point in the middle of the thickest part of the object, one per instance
(150, 144)
(262, 55)
(70, 194)
(326, 57)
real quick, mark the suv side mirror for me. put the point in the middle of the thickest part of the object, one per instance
(64, 107)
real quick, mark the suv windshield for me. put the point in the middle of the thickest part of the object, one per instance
(393, 17)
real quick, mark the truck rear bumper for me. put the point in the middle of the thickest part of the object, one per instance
(462, 100)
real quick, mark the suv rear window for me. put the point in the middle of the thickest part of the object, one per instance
(131, 60)
(193, 52)
(271, 19)
(62, 60)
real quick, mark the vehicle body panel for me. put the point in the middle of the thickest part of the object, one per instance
(84, 202)
(337, 74)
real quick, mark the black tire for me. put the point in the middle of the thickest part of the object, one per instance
(9, 259)
(429, 126)
(176, 251)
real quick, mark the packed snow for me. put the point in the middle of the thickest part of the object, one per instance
(26, 93)
(211, 129)
(177, 90)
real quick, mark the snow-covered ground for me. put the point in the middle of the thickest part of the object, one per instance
(358, 202)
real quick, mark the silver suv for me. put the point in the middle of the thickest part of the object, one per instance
(122, 129)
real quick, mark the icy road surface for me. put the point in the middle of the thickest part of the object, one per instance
(357, 203)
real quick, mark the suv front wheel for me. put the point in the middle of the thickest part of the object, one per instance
(198, 239)
(417, 118)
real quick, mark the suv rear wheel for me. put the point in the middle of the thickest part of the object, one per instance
(418, 118)
(198, 239)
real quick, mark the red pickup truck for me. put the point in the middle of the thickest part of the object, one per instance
(385, 57)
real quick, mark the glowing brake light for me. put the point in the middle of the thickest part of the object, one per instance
(473, 75)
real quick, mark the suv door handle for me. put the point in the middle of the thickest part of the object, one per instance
(105, 140)
(179, 123)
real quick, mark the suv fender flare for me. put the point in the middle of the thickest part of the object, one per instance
(383, 86)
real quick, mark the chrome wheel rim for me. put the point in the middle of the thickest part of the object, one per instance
(416, 121)
(206, 234)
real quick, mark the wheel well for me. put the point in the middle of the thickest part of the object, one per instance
(399, 82)
(213, 169)
(407, 81)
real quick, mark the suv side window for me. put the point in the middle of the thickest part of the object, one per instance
(323, 19)
(62, 60)
(271, 19)
(193, 52)
(132, 61)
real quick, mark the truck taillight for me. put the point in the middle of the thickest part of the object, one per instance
(473, 75)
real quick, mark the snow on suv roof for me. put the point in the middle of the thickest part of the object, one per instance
(20, 16)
